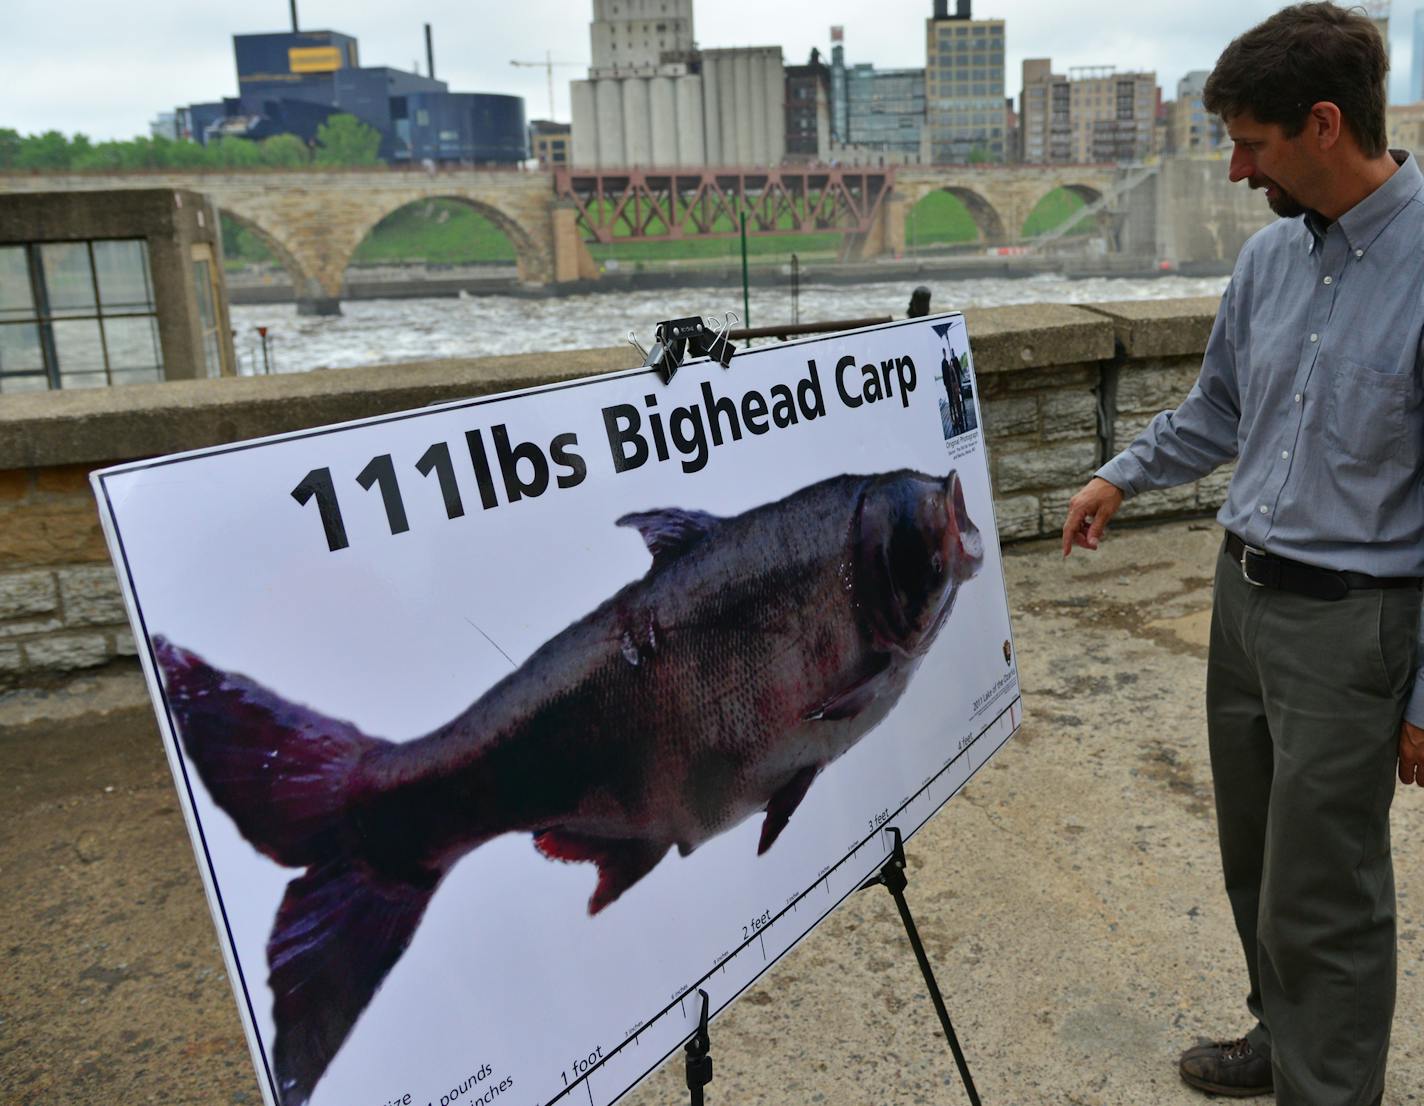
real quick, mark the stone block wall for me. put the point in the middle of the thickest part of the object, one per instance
(1058, 386)
(60, 605)
(1049, 424)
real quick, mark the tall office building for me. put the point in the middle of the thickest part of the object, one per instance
(1416, 61)
(1113, 114)
(1092, 115)
(877, 116)
(1191, 129)
(1045, 132)
(808, 109)
(885, 110)
(1378, 11)
(964, 85)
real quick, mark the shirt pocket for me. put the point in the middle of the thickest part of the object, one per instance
(1366, 411)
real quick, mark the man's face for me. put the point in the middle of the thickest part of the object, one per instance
(1265, 158)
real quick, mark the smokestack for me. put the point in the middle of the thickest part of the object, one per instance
(941, 9)
(295, 28)
(962, 10)
(429, 53)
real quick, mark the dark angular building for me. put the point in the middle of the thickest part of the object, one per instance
(292, 82)
(808, 99)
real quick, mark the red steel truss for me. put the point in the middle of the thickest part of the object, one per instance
(657, 205)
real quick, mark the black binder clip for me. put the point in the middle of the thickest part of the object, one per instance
(676, 339)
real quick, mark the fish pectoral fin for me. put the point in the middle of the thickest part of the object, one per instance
(339, 931)
(853, 699)
(621, 862)
(783, 804)
(670, 531)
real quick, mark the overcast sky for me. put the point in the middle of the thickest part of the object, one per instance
(106, 68)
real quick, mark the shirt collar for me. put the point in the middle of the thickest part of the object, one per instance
(1364, 222)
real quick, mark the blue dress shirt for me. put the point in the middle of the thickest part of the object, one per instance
(1311, 380)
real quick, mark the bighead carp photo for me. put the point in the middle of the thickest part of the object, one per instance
(672, 728)
(754, 652)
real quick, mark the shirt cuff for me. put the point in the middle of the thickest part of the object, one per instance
(1125, 472)
(1414, 709)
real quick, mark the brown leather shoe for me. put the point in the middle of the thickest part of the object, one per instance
(1231, 1068)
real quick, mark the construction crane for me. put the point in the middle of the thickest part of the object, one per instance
(548, 66)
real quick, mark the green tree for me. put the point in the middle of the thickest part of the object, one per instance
(48, 151)
(978, 155)
(188, 155)
(9, 148)
(235, 153)
(286, 151)
(101, 157)
(241, 245)
(345, 140)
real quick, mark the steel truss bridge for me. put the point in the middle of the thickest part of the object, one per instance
(657, 205)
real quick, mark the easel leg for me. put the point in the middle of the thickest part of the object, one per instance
(892, 877)
(699, 1059)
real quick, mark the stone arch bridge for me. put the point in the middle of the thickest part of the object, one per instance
(312, 221)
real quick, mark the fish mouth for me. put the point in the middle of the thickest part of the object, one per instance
(964, 545)
(915, 545)
(962, 549)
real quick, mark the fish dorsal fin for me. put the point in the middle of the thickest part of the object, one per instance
(670, 531)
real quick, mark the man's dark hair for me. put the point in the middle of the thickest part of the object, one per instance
(1298, 57)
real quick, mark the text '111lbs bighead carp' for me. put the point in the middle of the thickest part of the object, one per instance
(755, 651)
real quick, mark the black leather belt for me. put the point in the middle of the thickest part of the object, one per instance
(1266, 570)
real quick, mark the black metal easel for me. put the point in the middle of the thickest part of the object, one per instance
(892, 877)
(699, 1059)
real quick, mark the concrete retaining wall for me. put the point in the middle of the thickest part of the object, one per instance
(1058, 385)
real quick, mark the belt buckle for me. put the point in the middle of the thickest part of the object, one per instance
(1246, 551)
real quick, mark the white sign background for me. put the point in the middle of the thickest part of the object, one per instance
(507, 968)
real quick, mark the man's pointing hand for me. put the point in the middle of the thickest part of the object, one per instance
(1411, 754)
(1088, 514)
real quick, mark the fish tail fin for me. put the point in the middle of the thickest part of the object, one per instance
(280, 770)
(283, 773)
(340, 929)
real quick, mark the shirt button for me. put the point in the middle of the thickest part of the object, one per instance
(1329, 280)
(1265, 510)
(1359, 253)
(1285, 455)
(1315, 337)
(1297, 397)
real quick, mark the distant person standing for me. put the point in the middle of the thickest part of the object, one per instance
(954, 389)
(1312, 382)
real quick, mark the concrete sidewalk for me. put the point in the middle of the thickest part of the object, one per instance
(1069, 897)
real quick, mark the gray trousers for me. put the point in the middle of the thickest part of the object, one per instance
(1304, 703)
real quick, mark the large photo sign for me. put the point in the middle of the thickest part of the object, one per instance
(503, 727)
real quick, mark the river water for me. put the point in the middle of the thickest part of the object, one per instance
(372, 332)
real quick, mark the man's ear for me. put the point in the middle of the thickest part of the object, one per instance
(1325, 124)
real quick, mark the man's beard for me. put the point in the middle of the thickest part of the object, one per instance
(1283, 203)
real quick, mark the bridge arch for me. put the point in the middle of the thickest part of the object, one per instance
(985, 215)
(302, 281)
(1086, 193)
(530, 260)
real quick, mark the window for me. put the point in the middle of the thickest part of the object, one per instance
(77, 315)
(207, 311)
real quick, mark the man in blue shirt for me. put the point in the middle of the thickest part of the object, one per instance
(1311, 382)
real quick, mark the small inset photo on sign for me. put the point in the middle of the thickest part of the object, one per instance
(956, 405)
